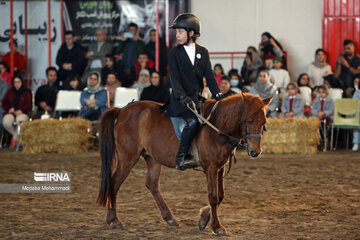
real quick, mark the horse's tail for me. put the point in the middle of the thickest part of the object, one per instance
(107, 152)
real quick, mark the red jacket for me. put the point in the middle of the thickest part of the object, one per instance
(149, 66)
(25, 103)
(19, 61)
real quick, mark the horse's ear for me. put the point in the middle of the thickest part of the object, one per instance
(267, 101)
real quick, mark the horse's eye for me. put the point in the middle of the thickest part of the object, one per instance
(264, 128)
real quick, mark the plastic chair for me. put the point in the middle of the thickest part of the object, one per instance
(68, 101)
(335, 93)
(305, 93)
(123, 96)
(346, 116)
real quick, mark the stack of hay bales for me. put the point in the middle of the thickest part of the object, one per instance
(292, 135)
(70, 135)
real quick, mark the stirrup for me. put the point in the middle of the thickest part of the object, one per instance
(186, 163)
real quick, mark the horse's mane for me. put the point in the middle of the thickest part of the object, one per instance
(233, 109)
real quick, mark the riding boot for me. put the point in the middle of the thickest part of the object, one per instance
(183, 162)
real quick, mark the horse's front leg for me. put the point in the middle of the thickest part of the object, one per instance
(212, 179)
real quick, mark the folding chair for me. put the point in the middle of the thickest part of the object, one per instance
(335, 93)
(123, 96)
(346, 116)
(67, 101)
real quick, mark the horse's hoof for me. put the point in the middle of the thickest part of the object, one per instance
(201, 225)
(118, 226)
(220, 232)
(172, 222)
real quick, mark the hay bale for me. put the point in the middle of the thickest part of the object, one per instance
(292, 135)
(69, 135)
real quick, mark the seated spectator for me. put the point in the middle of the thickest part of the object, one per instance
(112, 83)
(218, 72)
(292, 105)
(319, 68)
(143, 62)
(235, 80)
(269, 47)
(96, 54)
(143, 81)
(19, 60)
(74, 84)
(251, 64)
(157, 92)
(279, 75)
(304, 80)
(93, 99)
(330, 81)
(356, 133)
(348, 66)
(163, 52)
(129, 48)
(265, 89)
(323, 107)
(70, 59)
(45, 96)
(314, 94)
(4, 87)
(225, 87)
(108, 68)
(4, 74)
(17, 104)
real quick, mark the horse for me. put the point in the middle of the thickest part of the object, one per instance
(141, 129)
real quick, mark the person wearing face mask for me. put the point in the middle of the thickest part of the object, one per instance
(265, 89)
(235, 80)
(225, 87)
(188, 64)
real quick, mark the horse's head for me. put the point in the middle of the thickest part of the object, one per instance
(253, 124)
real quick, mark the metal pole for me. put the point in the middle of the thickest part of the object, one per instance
(157, 37)
(49, 33)
(62, 20)
(11, 38)
(26, 40)
(167, 23)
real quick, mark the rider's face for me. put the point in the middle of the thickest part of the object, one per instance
(181, 35)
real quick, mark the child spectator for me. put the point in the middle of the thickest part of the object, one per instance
(112, 83)
(304, 80)
(265, 89)
(4, 74)
(74, 84)
(292, 105)
(17, 104)
(225, 87)
(323, 107)
(93, 99)
(218, 72)
(157, 92)
(109, 67)
(319, 68)
(235, 80)
(281, 76)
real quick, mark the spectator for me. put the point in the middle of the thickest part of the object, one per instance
(143, 81)
(280, 76)
(108, 68)
(265, 89)
(17, 104)
(347, 65)
(70, 59)
(292, 105)
(4, 87)
(4, 74)
(330, 81)
(225, 87)
(112, 83)
(129, 48)
(163, 52)
(250, 66)
(45, 96)
(157, 92)
(96, 54)
(304, 80)
(143, 62)
(74, 84)
(314, 94)
(19, 60)
(269, 46)
(356, 133)
(235, 80)
(319, 68)
(218, 72)
(323, 107)
(93, 99)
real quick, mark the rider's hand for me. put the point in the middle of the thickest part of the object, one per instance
(219, 96)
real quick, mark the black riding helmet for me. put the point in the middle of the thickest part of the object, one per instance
(188, 22)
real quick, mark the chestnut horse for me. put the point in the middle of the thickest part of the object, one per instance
(140, 129)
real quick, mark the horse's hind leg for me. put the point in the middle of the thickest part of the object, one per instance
(153, 184)
(117, 179)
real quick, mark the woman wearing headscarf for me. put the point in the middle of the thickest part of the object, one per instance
(112, 83)
(157, 92)
(265, 89)
(17, 104)
(93, 99)
(319, 68)
(251, 64)
(143, 81)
